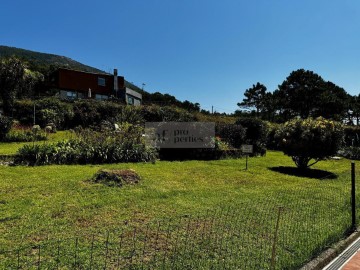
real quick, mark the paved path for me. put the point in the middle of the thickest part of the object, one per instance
(347, 260)
(353, 263)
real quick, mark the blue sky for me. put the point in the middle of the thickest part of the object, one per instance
(204, 51)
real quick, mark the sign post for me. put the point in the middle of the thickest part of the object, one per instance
(247, 149)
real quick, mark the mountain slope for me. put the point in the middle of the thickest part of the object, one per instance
(43, 61)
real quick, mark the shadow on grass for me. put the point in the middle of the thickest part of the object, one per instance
(308, 173)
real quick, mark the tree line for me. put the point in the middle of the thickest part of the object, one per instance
(302, 94)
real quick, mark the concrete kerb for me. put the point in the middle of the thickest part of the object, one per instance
(331, 253)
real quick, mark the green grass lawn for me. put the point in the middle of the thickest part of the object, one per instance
(55, 202)
(10, 148)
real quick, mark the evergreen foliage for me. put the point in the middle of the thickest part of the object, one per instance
(308, 139)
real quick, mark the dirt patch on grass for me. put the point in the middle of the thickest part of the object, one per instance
(116, 178)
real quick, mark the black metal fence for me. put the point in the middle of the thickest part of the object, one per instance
(282, 230)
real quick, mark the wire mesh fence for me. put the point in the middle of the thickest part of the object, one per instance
(281, 230)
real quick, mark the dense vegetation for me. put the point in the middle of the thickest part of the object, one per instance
(89, 147)
(303, 94)
(41, 65)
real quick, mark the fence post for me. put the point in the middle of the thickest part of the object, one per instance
(39, 256)
(353, 200)
(273, 254)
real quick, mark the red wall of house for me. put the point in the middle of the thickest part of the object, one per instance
(82, 81)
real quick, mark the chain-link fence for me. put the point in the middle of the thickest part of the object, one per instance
(282, 230)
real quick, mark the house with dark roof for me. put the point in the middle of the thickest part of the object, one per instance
(73, 84)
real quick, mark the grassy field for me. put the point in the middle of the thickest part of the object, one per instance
(10, 148)
(55, 202)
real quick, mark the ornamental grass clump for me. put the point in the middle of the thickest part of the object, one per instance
(91, 147)
(310, 139)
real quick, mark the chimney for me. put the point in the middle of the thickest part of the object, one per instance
(116, 87)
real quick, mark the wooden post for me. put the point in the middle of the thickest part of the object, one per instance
(273, 254)
(353, 199)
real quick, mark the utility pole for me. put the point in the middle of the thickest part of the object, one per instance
(212, 109)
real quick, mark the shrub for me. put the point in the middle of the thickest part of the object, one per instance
(169, 114)
(352, 136)
(47, 110)
(86, 113)
(231, 133)
(129, 114)
(24, 111)
(308, 139)
(16, 135)
(256, 133)
(5, 126)
(90, 147)
(55, 111)
(271, 142)
(92, 113)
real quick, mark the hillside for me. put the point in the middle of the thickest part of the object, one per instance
(43, 61)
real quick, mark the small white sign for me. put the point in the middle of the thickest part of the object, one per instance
(247, 148)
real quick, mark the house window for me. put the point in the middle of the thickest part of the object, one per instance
(130, 100)
(101, 81)
(101, 97)
(71, 95)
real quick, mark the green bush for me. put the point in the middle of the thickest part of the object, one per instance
(5, 126)
(167, 114)
(256, 133)
(24, 111)
(48, 110)
(308, 139)
(129, 114)
(16, 135)
(231, 133)
(55, 111)
(91, 113)
(86, 113)
(271, 142)
(352, 136)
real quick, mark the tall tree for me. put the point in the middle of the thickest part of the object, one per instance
(32, 81)
(299, 92)
(269, 107)
(12, 73)
(306, 94)
(332, 102)
(254, 98)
